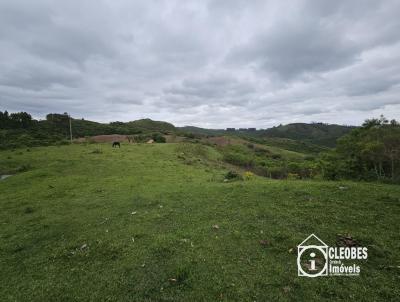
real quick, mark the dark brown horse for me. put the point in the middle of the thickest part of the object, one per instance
(115, 144)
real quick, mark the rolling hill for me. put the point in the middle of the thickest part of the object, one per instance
(20, 129)
(315, 133)
(312, 136)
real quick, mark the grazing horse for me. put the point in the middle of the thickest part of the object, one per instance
(115, 144)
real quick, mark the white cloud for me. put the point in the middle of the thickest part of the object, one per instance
(205, 63)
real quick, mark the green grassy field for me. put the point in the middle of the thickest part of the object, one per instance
(92, 223)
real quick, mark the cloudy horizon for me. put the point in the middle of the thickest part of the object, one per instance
(212, 64)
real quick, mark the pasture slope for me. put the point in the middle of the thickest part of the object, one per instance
(144, 223)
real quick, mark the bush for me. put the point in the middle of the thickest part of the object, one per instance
(238, 159)
(293, 176)
(277, 172)
(276, 156)
(23, 168)
(158, 138)
(261, 151)
(231, 175)
(248, 175)
(189, 135)
(62, 142)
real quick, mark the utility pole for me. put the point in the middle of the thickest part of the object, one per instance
(70, 128)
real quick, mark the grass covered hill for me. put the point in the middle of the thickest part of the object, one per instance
(369, 152)
(157, 222)
(19, 129)
(202, 131)
(150, 125)
(314, 133)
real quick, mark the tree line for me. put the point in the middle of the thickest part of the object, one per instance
(19, 129)
(15, 120)
(370, 152)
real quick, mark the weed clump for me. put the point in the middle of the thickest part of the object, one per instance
(23, 168)
(28, 210)
(232, 175)
(248, 175)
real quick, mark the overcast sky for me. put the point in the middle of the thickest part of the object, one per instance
(205, 63)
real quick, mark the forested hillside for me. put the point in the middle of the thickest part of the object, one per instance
(315, 133)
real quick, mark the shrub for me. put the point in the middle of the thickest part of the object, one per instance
(158, 138)
(294, 168)
(62, 142)
(238, 159)
(276, 156)
(261, 151)
(23, 168)
(189, 135)
(232, 175)
(277, 172)
(248, 175)
(260, 170)
(293, 176)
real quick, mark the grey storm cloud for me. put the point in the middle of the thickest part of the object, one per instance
(205, 63)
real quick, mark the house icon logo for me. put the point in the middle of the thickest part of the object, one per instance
(312, 257)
